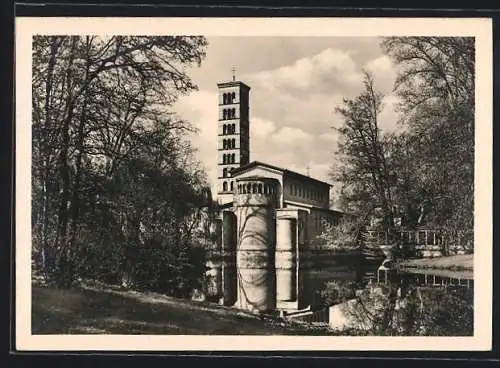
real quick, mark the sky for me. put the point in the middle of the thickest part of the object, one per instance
(296, 83)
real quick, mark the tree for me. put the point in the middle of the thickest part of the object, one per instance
(436, 88)
(101, 125)
(362, 164)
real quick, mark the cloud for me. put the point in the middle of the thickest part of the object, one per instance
(329, 71)
(388, 117)
(261, 127)
(295, 86)
(200, 108)
(288, 137)
(384, 73)
(330, 137)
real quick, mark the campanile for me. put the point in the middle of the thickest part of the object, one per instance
(233, 135)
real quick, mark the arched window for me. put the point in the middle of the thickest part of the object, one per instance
(232, 186)
(233, 128)
(254, 188)
(259, 189)
(233, 113)
(249, 188)
(224, 129)
(224, 186)
(224, 98)
(233, 143)
(224, 114)
(224, 172)
(233, 96)
(232, 158)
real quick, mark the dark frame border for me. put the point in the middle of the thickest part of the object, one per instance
(58, 8)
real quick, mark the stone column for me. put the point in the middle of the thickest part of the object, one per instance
(228, 258)
(256, 244)
(214, 276)
(285, 260)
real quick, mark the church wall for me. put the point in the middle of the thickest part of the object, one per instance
(314, 225)
(304, 192)
(261, 172)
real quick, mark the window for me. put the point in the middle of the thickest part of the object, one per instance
(233, 96)
(224, 186)
(259, 189)
(232, 158)
(224, 172)
(233, 128)
(232, 186)
(224, 114)
(233, 113)
(233, 143)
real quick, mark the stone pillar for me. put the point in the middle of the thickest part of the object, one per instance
(213, 287)
(285, 260)
(255, 203)
(228, 259)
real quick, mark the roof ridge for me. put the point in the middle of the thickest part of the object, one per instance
(256, 163)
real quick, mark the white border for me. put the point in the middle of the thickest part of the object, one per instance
(479, 28)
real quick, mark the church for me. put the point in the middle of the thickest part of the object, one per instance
(269, 218)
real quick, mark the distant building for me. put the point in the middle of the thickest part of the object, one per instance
(270, 216)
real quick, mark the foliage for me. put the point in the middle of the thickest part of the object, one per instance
(424, 173)
(416, 311)
(115, 186)
(362, 166)
(346, 234)
(436, 88)
(336, 292)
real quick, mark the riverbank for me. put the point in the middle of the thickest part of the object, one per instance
(458, 266)
(105, 309)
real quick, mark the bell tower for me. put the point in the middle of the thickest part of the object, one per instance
(233, 135)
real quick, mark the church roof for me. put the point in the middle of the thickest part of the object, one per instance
(253, 164)
(233, 84)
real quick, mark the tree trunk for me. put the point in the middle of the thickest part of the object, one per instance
(75, 203)
(62, 246)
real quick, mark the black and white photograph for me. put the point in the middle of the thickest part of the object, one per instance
(254, 179)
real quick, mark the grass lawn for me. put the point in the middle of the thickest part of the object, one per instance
(458, 262)
(458, 266)
(108, 310)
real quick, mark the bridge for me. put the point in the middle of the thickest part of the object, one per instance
(421, 242)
